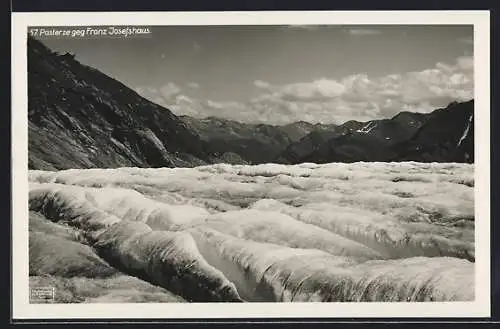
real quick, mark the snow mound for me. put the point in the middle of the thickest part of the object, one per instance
(382, 234)
(280, 229)
(266, 272)
(169, 259)
(93, 207)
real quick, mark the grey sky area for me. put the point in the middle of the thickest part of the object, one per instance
(281, 74)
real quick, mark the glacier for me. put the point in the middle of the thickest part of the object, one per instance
(258, 233)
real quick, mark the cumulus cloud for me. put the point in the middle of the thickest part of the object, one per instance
(363, 97)
(193, 85)
(169, 95)
(172, 97)
(354, 97)
(261, 84)
(466, 63)
(169, 90)
(318, 90)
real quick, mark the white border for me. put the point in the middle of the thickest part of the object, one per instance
(23, 310)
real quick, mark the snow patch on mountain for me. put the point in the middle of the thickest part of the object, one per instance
(466, 131)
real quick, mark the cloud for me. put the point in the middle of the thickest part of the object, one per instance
(261, 84)
(362, 97)
(166, 95)
(466, 63)
(146, 90)
(354, 97)
(318, 90)
(193, 85)
(169, 90)
(363, 32)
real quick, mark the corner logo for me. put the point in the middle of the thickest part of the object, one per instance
(42, 295)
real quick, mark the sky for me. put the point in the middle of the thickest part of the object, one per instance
(282, 74)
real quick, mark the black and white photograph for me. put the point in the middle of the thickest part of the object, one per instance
(252, 163)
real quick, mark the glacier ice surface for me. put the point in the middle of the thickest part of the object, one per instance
(307, 232)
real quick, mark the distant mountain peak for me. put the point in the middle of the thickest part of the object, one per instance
(406, 136)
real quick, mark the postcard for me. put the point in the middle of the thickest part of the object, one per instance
(251, 165)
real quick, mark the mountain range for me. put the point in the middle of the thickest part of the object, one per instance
(78, 117)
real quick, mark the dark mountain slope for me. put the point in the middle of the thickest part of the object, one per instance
(297, 130)
(82, 118)
(254, 143)
(444, 135)
(355, 141)
(447, 136)
(300, 149)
